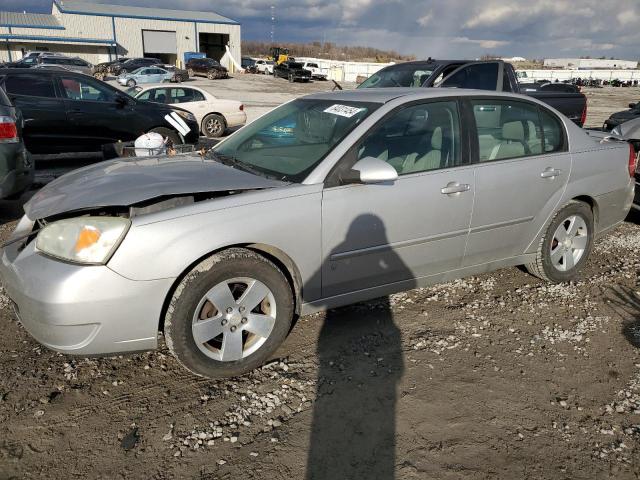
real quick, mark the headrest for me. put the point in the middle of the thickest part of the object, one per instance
(513, 131)
(436, 139)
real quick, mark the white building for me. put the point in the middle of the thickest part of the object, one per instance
(590, 63)
(100, 32)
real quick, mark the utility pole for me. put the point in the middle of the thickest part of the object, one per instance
(273, 22)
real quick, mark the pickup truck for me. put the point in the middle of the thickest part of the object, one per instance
(484, 75)
(293, 71)
(317, 73)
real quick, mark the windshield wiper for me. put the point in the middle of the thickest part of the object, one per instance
(231, 161)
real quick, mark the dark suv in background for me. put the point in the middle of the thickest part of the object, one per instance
(208, 67)
(70, 112)
(134, 64)
(16, 167)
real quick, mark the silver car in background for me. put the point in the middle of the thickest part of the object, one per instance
(73, 64)
(330, 199)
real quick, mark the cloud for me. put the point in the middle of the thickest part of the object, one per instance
(455, 28)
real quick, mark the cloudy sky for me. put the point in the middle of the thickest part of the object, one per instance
(437, 28)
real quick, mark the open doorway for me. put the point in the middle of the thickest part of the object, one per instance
(212, 44)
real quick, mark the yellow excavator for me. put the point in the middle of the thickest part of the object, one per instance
(279, 54)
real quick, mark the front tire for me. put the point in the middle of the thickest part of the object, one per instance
(566, 244)
(229, 314)
(131, 83)
(290, 78)
(168, 133)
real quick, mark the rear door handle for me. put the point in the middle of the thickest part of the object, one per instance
(551, 173)
(455, 187)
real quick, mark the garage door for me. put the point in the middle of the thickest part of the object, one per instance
(156, 41)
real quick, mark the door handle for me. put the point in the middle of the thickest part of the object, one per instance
(550, 173)
(453, 188)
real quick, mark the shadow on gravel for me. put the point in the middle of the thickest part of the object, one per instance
(360, 353)
(627, 302)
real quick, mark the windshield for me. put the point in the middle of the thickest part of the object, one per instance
(288, 142)
(398, 76)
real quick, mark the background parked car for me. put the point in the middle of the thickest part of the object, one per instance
(208, 67)
(73, 64)
(293, 71)
(71, 112)
(101, 70)
(16, 166)
(623, 116)
(145, 75)
(179, 74)
(317, 73)
(265, 66)
(133, 64)
(247, 62)
(214, 115)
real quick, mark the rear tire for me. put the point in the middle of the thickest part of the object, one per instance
(290, 78)
(190, 72)
(210, 302)
(213, 125)
(212, 75)
(566, 244)
(131, 83)
(168, 133)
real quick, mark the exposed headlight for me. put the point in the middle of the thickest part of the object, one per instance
(186, 115)
(88, 240)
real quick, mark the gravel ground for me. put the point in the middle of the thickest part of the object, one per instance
(496, 376)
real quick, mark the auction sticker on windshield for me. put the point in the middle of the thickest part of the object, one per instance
(343, 110)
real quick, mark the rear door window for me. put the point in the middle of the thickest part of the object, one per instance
(507, 129)
(31, 85)
(553, 132)
(85, 89)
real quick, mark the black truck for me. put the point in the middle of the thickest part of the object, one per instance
(294, 71)
(493, 75)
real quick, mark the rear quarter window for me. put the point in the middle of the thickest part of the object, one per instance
(30, 85)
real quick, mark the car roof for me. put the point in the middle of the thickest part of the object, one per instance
(148, 86)
(384, 95)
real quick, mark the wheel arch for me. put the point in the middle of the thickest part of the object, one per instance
(283, 261)
(592, 204)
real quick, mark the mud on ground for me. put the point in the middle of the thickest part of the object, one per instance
(495, 376)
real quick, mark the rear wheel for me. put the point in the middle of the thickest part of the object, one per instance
(566, 245)
(290, 78)
(190, 72)
(229, 314)
(131, 83)
(214, 125)
(212, 75)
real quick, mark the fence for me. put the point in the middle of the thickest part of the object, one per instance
(560, 75)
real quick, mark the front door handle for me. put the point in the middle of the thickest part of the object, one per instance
(550, 173)
(453, 188)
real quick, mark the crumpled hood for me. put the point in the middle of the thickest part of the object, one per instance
(126, 181)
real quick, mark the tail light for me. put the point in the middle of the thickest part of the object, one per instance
(8, 130)
(632, 160)
(241, 107)
(583, 118)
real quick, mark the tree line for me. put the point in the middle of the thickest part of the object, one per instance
(326, 50)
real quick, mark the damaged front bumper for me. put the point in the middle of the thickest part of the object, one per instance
(76, 309)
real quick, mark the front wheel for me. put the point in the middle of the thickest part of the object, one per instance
(172, 135)
(229, 314)
(290, 78)
(212, 75)
(190, 72)
(131, 83)
(566, 245)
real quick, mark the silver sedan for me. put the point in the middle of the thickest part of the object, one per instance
(328, 200)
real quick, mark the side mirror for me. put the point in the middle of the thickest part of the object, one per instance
(122, 101)
(374, 170)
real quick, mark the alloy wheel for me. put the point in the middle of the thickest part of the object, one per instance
(234, 319)
(569, 243)
(213, 126)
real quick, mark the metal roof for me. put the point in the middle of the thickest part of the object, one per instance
(111, 10)
(29, 20)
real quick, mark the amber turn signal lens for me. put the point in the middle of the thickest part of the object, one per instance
(87, 237)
